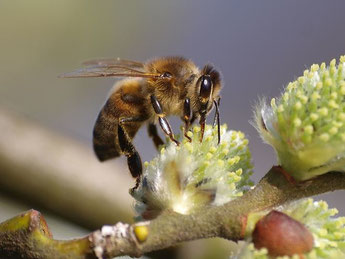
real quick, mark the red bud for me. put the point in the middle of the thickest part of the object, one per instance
(282, 235)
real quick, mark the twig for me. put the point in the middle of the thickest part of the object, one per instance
(57, 173)
(170, 228)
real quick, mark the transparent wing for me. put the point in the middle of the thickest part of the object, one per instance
(102, 69)
(114, 61)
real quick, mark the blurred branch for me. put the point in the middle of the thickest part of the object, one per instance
(168, 229)
(61, 175)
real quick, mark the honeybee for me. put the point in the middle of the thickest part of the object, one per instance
(150, 92)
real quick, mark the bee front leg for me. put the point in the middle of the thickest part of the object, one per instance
(187, 116)
(216, 120)
(152, 129)
(163, 122)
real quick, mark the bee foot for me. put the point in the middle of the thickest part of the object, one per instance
(189, 138)
(137, 182)
(176, 142)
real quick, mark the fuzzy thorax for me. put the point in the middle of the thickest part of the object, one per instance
(306, 124)
(195, 174)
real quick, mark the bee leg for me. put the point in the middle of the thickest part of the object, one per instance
(163, 122)
(217, 118)
(202, 125)
(152, 129)
(215, 115)
(193, 119)
(187, 115)
(127, 148)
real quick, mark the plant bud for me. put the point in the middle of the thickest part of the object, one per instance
(306, 124)
(195, 174)
(282, 235)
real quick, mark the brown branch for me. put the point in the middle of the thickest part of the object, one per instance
(227, 221)
(59, 174)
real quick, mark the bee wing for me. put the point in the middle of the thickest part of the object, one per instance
(109, 70)
(115, 61)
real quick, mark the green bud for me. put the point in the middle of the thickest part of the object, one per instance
(195, 173)
(305, 125)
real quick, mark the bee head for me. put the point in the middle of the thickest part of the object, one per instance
(209, 85)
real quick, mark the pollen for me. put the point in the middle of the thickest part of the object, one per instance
(141, 233)
(209, 138)
(196, 129)
(342, 90)
(290, 86)
(314, 67)
(328, 82)
(213, 150)
(323, 111)
(342, 59)
(333, 104)
(189, 147)
(209, 155)
(319, 85)
(273, 103)
(310, 75)
(297, 122)
(236, 178)
(337, 124)
(300, 80)
(280, 108)
(333, 131)
(225, 152)
(241, 147)
(322, 232)
(286, 97)
(341, 116)
(309, 129)
(315, 96)
(304, 99)
(241, 135)
(239, 172)
(206, 163)
(298, 105)
(324, 137)
(232, 161)
(314, 116)
(220, 162)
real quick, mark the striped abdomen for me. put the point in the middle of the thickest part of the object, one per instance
(127, 101)
(105, 143)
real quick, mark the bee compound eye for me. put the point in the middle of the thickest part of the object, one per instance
(205, 86)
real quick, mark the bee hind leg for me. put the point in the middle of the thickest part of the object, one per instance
(127, 148)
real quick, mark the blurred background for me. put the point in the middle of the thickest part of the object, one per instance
(259, 46)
